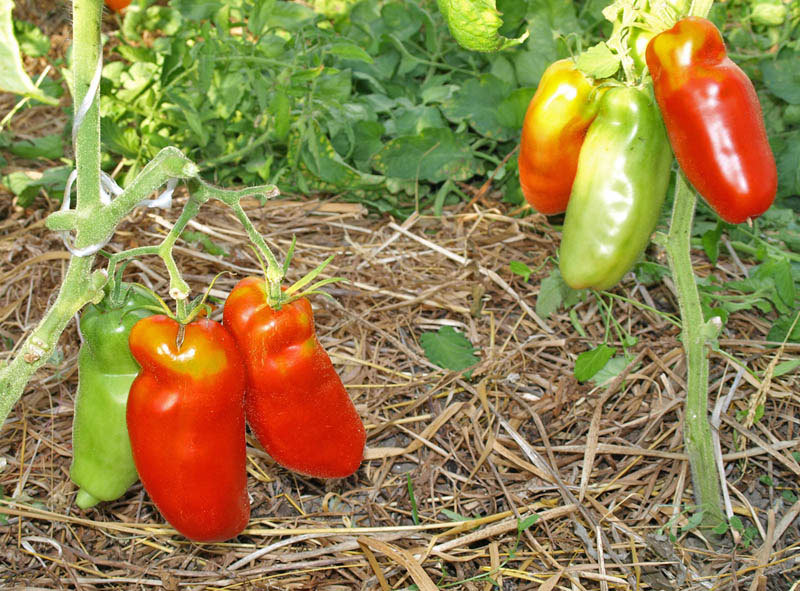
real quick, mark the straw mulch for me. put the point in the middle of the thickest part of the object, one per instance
(453, 464)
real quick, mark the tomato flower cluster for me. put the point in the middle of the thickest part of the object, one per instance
(598, 150)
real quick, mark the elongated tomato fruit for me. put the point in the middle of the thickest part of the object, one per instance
(296, 403)
(186, 422)
(555, 125)
(713, 119)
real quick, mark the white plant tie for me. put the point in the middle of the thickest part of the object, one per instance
(86, 104)
(108, 186)
(164, 200)
(65, 201)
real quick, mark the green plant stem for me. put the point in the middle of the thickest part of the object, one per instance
(233, 198)
(694, 335)
(79, 285)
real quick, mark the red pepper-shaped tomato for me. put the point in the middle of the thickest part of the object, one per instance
(187, 427)
(295, 402)
(713, 119)
(555, 125)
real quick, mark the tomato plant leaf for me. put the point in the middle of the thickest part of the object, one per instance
(12, 75)
(477, 102)
(474, 24)
(435, 155)
(521, 269)
(590, 362)
(598, 61)
(448, 349)
(782, 78)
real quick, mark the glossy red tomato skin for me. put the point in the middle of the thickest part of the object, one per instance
(186, 422)
(713, 119)
(117, 5)
(296, 403)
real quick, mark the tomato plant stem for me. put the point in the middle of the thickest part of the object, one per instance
(695, 333)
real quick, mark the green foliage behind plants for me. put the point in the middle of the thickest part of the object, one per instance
(378, 103)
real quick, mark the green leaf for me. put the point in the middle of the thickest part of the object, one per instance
(412, 499)
(611, 369)
(788, 163)
(414, 120)
(782, 78)
(780, 330)
(350, 51)
(694, 521)
(453, 516)
(435, 155)
(553, 293)
(711, 242)
(477, 102)
(598, 61)
(592, 361)
(512, 109)
(122, 140)
(448, 349)
(32, 41)
(27, 185)
(49, 146)
(203, 239)
(736, 523)
(540, 50)
(521, 269)
(527, 523)
(786, 367)
(12, 75)
(649, 273)
(474, 24)
(280, 111)
(721, 529)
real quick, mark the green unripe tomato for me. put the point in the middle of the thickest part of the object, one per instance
(769, 13)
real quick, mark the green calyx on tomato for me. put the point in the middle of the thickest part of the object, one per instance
(713, 119)
(619, 188)
(102, 464)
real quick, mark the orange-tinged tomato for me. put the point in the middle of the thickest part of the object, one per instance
(117, 5)
(555, 125)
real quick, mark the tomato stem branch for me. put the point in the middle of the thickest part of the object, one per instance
(233, 200)
(695, 333)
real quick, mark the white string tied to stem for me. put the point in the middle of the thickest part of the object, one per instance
(108, 186)
(164, 200)
(88, 100)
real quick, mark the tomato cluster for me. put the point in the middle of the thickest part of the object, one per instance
(180, 423)
(600, 152)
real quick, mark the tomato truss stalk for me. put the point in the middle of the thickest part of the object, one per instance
(94, 221)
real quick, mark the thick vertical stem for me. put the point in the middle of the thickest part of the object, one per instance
(79, 286)
(697, 431)
(86, 57)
